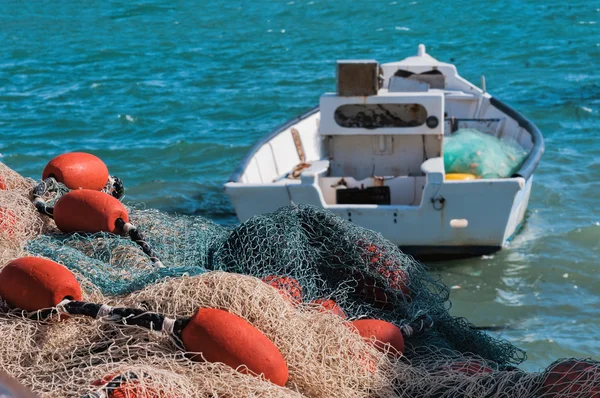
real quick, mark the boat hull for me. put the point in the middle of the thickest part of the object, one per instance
(476, 217)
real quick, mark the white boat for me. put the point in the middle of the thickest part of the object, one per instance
(372, 153)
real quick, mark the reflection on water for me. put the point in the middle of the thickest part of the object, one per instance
(543, 289)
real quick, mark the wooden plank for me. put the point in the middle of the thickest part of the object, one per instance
(298, 144)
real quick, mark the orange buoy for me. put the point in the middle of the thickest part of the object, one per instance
(287, 286)
(396, 277)
(8, 222)
(224, 337)
(85, 210)
(571, 377)
(368, 290)
(399, 281)
(460, 177)
(378, 260)
(105, 380)
(129, 388)
(330, 306)
(135, 390)
(384, 332)
(2, 184)
(78, 170)
(33, 283)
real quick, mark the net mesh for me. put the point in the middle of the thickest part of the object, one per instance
(474, 152)
(272, 271)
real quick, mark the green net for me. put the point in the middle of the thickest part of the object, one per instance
(117, 266)
(363, 272)
(473, 152)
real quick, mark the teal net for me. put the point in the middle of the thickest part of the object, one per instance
(117, 266)
(474, 152)
(324, 252)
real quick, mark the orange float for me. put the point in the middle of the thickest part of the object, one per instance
(33, 283)
(287, 286)
(85, 210)
(328, 305)
(78, 170)
(128, 389)
(224, 337)
(377, 260)
(571, 377)
(135, 390)
(370, 291)
(397, 280)
(2, 184)
(384, 333)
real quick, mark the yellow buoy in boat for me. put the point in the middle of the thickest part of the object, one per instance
(460, 177)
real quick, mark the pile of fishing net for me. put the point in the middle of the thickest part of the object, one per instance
(474, 152)
(301, 278)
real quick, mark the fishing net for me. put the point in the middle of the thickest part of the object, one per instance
(364, 273)
(78, 357)
(10, 180)
(274, 271)
(112, 263)
(473, 152)
(322, 353)
(117, 266)
(19, 222)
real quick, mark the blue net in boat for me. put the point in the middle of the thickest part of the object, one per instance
(474, 152)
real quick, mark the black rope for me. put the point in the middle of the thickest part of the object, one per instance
(128, 316)
(417, 327)
(94, 395)
(118, 188)
(137, 237)
(43, 208)
(114, 187)
(46, 186)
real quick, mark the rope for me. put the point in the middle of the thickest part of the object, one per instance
(43, 208)
(137, 237)
(417, 327)
(127, 316)
(50, 188)
(168, 326)
(114, 186)
(104, 310)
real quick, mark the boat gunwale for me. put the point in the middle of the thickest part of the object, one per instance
(526, 171)
(535, 154)
(237, 174)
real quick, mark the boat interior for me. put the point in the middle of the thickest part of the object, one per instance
(373, 140)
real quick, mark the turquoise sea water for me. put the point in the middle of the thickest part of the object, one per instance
(172, 94)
